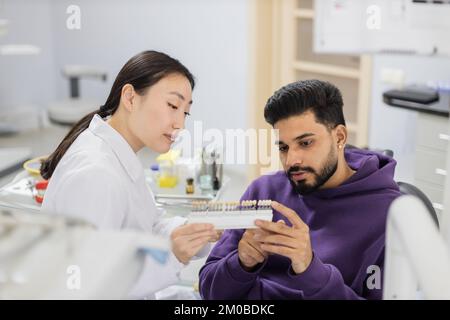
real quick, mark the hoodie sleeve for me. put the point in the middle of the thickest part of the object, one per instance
(222, 277)
(322, 281)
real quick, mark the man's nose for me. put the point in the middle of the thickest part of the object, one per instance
(293, 158)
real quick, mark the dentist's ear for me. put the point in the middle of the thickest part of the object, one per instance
(127, 96)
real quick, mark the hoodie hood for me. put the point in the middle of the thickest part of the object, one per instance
(374, 172)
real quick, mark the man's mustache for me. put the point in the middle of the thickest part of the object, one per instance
(296, 169)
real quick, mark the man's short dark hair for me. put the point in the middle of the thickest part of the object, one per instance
(322, 98)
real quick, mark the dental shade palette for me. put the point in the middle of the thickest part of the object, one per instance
(231, 215)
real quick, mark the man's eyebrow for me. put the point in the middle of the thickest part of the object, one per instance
(300, 137)
(179, 95)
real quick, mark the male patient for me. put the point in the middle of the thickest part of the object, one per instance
(331, 202)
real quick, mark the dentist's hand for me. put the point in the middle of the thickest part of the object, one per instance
(187, 240)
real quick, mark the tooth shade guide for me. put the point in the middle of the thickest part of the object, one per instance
(231, 214)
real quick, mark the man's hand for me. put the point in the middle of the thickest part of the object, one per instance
(249, 250)
(292, 242)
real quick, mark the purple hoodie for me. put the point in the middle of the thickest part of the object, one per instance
(347, 230)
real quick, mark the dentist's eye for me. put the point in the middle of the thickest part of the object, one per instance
(172, 106)
(187, 114)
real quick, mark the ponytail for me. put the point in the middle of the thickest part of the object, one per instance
(141, 71)
(48, 165)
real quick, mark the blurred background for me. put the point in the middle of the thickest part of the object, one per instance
(58, 60)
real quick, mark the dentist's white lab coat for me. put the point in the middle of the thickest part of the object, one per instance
(101, 180)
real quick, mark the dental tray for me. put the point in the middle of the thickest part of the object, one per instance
(231, 215)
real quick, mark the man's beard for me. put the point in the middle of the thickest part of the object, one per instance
(301, 187)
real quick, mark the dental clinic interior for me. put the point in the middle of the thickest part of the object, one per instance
(227, 149)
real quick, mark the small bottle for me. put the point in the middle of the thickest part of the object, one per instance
(189, 185)
(216, 183)
(154, 172)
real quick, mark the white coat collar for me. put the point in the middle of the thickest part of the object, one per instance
(119, 145)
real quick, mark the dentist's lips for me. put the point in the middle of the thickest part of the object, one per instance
(170, 137)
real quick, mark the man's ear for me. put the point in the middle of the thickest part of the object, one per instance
(341, 135)
(127, 96)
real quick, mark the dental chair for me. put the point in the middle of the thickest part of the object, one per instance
(407, 188)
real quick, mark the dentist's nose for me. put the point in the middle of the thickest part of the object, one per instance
(179, 122)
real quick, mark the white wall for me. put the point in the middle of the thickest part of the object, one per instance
(27, 79)
(395, 128)
(209, 37)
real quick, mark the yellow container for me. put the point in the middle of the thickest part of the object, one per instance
(168, 177)
(167, 181)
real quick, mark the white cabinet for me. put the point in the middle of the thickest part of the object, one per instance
(431, 153)
(350, 73)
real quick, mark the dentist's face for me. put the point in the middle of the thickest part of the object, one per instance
(307, 151)
(161, 112)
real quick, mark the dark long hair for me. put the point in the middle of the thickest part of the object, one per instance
(141, 71)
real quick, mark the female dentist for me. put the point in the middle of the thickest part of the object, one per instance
(96, 175)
